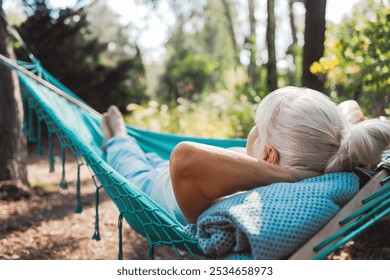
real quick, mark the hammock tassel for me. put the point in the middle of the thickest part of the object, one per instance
(31, 133)
(96, 235)
(24, 102)
(40, 151)
(151, 252)
(51, 156)
(63, 183)
(120, 242)
(79, 206)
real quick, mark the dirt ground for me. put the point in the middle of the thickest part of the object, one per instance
(45, 227)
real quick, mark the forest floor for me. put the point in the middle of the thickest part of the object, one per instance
(45, 227)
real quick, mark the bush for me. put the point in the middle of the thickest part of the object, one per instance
(356, 64)
(217, 115)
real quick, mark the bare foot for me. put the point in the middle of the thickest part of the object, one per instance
(115, 121)
(107, 132)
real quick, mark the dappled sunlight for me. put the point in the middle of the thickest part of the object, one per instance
(251, 223)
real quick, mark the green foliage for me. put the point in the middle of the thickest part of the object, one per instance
(199, 52)
(187, 73)
(62, 41)
(254, 93)
(104, 24)
(292, 75)
(208, 91)
(356, 64)
(219, 115)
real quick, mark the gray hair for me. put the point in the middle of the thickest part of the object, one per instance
(310, 132)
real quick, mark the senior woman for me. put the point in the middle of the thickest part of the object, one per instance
(298, 133)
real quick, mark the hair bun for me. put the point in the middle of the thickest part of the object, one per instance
(361, 146)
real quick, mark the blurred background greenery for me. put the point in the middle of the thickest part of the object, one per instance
(215, 67)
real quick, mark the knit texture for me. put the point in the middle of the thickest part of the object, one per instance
(275, 220)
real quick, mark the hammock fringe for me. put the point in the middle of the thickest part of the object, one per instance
(79, 206)
(31, 132)
(51, 154)
(151, 252)
(96, 235)
(120, 241)
(40, 150)
(63, 184)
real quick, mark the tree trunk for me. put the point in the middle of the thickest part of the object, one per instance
(293, 76)
(229, 19)
(292, 22)
(252, 42)
(313, 49)
(13, 150)
(272, 76)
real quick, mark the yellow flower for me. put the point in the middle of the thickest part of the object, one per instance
(315, 68)
(323, 61)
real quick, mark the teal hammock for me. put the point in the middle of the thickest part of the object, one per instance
(77, 128)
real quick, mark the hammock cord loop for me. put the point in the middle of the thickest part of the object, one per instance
(39, 144)
(120, 241)
(96, 235)
(63, 183)
(51, 154)
(79, 206)
(31, 133)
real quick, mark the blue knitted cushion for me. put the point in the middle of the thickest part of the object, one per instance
(273, 221)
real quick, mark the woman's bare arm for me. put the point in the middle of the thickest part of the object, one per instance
(202, 175)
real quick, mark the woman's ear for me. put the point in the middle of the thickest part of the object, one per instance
(271, 155)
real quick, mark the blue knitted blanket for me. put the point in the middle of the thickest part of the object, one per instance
(273, 221)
